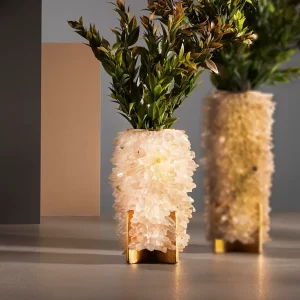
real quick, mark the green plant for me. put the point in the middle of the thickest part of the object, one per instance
(277, 25)
(150, 82)
(225, 17)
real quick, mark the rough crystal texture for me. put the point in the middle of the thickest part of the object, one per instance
(152, 176)
(238, 164)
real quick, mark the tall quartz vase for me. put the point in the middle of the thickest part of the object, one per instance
(238, 166)
(151, 179)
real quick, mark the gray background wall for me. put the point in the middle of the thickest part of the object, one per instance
(286, 189)
(20, 115)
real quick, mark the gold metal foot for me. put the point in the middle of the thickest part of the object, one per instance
(221, 246)
(146, 256)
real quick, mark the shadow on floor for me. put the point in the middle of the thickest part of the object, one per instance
(60, 258)
(159, 267)
(65, 242)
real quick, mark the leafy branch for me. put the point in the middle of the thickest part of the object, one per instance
(277, 25)
(211, 24)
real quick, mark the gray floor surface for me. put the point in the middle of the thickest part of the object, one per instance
(78, 258)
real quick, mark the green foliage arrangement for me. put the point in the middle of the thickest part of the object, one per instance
(150, 82)
(224, 16)
(277, 25)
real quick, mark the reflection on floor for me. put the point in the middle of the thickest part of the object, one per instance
(78, 258)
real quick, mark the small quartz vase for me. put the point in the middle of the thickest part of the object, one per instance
(238, 166)
(152, 176)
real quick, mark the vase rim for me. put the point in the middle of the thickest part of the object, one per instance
(154, 130)
(246, 92)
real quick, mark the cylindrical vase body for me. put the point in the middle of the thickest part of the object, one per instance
(238, 164)
(152, 176)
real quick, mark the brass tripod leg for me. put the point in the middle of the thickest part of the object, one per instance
(146, 256)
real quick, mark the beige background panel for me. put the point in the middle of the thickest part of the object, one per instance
(70, 158)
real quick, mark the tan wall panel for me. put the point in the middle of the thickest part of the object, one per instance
(70, 159)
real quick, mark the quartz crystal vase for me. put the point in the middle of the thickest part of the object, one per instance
(238, 164)
(151, 179)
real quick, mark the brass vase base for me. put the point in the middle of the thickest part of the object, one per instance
(223, 246)
(146, 256)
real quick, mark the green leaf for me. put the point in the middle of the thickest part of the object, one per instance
(132, 24)
(105, 43)
(271, 7)
(103, 49)
(133, 36)
(116, 46)
(130, 107)
(153, 111)
(142, 51)
(157, 90)
(170, 122)
(107, 67)
(89, 36)
(181, 53)
(162, 111)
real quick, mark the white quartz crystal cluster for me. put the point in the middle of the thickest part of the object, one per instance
(153, 176)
